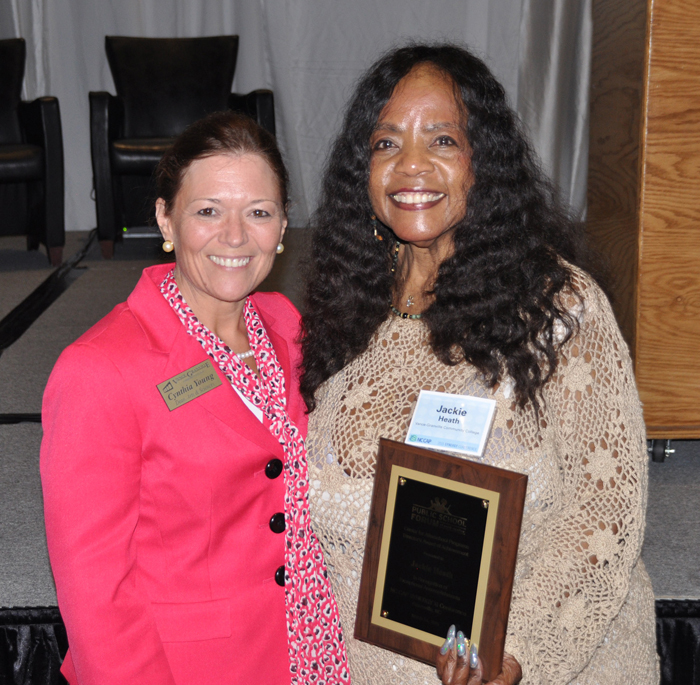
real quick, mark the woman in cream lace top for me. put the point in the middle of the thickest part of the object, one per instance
(442, 262)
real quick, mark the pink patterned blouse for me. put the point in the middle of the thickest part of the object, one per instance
(316, 646)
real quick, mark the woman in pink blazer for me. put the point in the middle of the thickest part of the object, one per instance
(173, 461)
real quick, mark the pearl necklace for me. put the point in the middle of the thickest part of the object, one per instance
(244, 355)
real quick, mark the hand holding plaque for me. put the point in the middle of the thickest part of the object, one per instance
(441, 549)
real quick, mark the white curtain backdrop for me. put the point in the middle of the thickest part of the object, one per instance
(553, 89)
(310, 53)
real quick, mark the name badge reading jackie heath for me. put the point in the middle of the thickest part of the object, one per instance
(189, 385)
(458, 423)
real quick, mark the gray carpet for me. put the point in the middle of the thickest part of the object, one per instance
(672, 542)
(25, 575)
(673, 530)
(26, 365)
(16, 285)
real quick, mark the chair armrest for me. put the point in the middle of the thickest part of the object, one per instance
(258, 104)
(40, 120)
(106, 122)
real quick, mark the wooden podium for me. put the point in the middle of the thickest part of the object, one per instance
(644, 195)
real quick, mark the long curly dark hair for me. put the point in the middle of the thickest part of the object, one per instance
(496, 299)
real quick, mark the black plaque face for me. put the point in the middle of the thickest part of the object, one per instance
(435, 554)
(432, 571)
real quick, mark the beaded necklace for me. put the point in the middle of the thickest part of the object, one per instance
(394, 262)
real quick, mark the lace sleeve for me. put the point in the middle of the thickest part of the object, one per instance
(567, 595)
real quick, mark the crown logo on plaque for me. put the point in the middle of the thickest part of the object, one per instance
(439, 504)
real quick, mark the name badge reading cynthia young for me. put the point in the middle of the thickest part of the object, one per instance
(458, 423)
(189, 385)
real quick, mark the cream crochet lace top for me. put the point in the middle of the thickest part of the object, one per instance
(582, 609)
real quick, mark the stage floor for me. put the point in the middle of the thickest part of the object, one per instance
(673, 522)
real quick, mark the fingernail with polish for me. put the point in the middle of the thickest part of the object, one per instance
(461, 644)
(451, 632)
(473, 657)
(447, 646)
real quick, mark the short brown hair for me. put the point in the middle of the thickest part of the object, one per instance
(218, 133)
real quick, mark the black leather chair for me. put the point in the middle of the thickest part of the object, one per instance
(31, 159)
(163, 85)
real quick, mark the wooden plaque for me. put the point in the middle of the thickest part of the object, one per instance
(441, 548)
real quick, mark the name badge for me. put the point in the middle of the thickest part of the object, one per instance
(458, 423)
(189, 385)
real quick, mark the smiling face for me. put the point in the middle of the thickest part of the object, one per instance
(226, 222)
(420, 169)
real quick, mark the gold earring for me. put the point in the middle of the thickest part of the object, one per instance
(168, 246)
(280, 248)
(374, 225)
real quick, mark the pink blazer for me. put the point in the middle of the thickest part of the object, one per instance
(159, 522)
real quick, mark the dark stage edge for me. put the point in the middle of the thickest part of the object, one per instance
(18, 321)
(14, 325)
(20, 418)
(33, 643)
